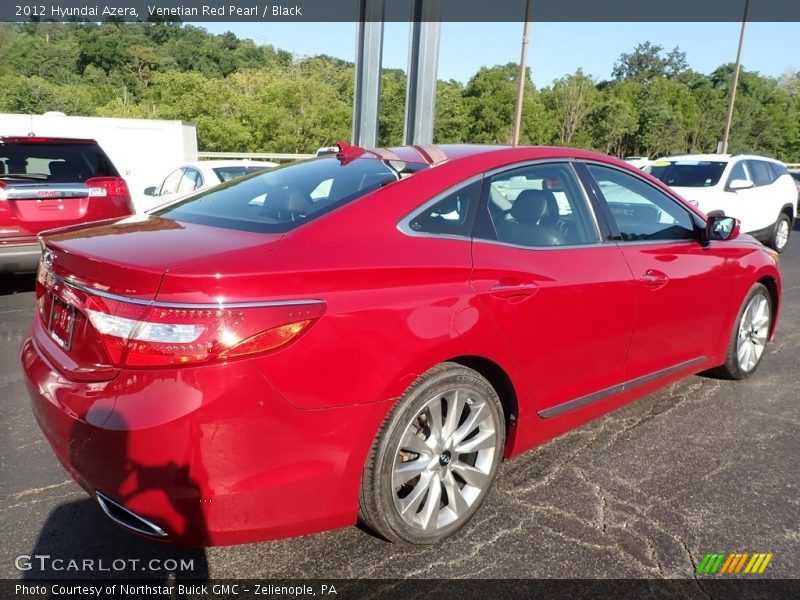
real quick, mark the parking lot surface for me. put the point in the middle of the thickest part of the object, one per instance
(701, 466)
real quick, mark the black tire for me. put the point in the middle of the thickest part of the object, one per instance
(410, 424)
(732, 368)
(777, 241)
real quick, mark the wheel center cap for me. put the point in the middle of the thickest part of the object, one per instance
(445, 458)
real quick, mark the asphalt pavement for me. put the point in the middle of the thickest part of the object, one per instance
(702, 466)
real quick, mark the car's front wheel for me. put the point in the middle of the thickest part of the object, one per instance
(435, 457)
(749, 336)
(780, 234)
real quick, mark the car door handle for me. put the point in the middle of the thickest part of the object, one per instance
(654, 279)
(514, 291)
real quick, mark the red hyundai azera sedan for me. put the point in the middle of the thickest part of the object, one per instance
(364, 336)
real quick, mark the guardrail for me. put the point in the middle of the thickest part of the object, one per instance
(793, 166)
(275, 156)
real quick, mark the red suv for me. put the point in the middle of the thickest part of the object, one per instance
(52, 182)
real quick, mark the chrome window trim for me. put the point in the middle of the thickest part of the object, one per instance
(599, 244)
(577, 403)
(187, 305)
(404, 224)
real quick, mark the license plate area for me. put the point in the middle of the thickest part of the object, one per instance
(61, 322)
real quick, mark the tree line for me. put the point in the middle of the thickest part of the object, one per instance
(248, 97)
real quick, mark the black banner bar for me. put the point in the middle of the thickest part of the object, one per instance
(413, 589)
(396, 10)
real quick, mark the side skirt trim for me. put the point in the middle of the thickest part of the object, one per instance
(577, 403)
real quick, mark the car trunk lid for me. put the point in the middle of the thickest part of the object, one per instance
(117, 268)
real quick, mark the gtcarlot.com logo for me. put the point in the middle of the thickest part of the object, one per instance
(45, 562)
(733, 563)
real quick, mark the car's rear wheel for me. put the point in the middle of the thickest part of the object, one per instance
(435, 457)
(749, 336)
(780, 235)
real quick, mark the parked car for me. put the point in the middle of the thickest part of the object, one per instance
(796, 177)
(48, 182)
(264, 359)
(756, 190)
(327, 150)
(637, 161)
(203, 175)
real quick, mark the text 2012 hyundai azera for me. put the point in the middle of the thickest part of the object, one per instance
(367, 334)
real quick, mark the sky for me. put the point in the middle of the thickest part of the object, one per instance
(555, 50)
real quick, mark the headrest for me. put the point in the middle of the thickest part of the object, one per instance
(289, 199)
(531, 205)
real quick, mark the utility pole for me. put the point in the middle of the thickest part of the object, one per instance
(726, 137)
(523, 63)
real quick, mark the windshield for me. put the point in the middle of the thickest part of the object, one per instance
(688, 173)
(281, 199)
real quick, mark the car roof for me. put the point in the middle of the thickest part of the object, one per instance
(200, 164)
(437, 154)
(717, 157)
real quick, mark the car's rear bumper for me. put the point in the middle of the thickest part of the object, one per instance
(19, 257)
(210, 455)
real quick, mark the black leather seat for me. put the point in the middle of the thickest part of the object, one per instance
(534, 219)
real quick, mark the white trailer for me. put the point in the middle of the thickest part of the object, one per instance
(143, 150)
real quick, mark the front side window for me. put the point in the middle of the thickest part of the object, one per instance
(641, 211)
(537, 206)
(170, 185)
(281, 199)
(739, 173)
(451, 215)
(190, 181)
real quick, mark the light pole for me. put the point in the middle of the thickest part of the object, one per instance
(726, 137)
(523, 63)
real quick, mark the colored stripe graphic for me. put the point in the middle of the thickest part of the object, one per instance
(733, 563)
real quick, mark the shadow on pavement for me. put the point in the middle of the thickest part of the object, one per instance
(17, 284)
(80, 532)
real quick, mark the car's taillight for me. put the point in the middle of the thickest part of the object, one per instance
(151, 335)
(108, 187)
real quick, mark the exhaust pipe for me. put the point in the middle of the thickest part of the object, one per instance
(127, 518)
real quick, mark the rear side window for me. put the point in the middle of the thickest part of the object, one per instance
(762, 174)
(452, 214)
(778, 169)
(537, 206)
(58, 163)
(281, 199)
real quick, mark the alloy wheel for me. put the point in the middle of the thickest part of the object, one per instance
(753, 332)
(444, 460)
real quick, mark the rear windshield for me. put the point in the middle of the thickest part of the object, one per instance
(281, 199)
(688, 173)
(228, 173)
(74, 163)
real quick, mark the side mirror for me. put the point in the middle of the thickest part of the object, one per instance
(740, 184)
(150, 191)
(721, 228)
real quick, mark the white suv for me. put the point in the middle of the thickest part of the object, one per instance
(756, 190)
